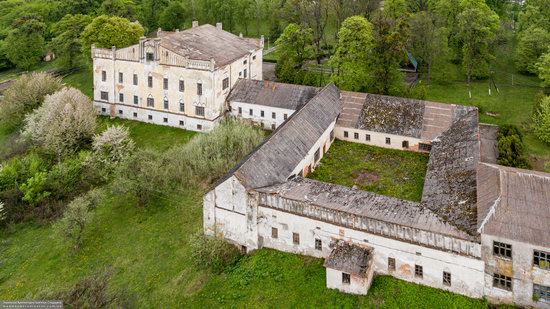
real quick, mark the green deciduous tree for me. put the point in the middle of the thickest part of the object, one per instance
(25, 44)
(543, 69)
(355, 41)
(76, 218)
(531, 45)
(510, 147)
(105, 32)
(122, 8)
(295, 46)
(66, 44)
(541, 120)
(174, 16)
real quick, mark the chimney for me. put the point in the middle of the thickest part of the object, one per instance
(159, 30)
(219, 26)
(177, 30)
(241, 35)
(262, 40)
(195, 24)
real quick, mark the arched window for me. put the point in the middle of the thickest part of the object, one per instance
(165, 103)
(150, 101)
(182, 106)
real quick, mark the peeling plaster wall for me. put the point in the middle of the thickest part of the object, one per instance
(524, 274)
(467, 272)
(377, 139)
(357, 285)
(323, 144)
(267, 121)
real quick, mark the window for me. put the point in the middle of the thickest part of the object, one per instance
(199, 89)
(182, 86)
(318, 244)
(199, 127)
(356, 135)
(240, 74)
(317, 155)
(273, 127)
(273, 115)
(165, 120)
(150, 57)
(405, 144)
(424, 147)
(345, 133)
(150, 102)
(501, 249)
(120, 112)
(165, 83)
(104, 95)
(150, 81)
(225, 83)
(391, 264)
(296, 238)
(254, 57)
(541, 259)
(250, 112)
(285, 116)
(274, 232)
(150, 117)
(165, 103)
(244, 62)
(199, 111)
(240, 110)
(103, 110)
(541, 292)
(262, 114)
(136, 100)
(418, 271)
(182, 106)
(244, 73)
(502, 282)
(367, 137)
(121, 97)
(346, 278)
(446, 278)
(135, 80)
(388, 140)
(103, 76)
(120, 77)
(182, 123)
(135, 115)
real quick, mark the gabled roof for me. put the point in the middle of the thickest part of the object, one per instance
(349, 258)
(208, 42)
(271, 94)
(276, 158)
(514, 204)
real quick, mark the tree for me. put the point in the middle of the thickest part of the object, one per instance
(543, 69)
(212, 253)
(79, 6)
(25, 44)
(536, 14)
(355, 40)
(3, 214)
(25, 95)
(121, 8)
(151, 10)
(65, 122)
(75, 220)
(477, 24)
(105, 32)
(66, 43)
(313, 14)
(531, 45)
(174, 16)
(510, 147)
(541, 120)
(427, 42)
(295, 47)
(112, 146)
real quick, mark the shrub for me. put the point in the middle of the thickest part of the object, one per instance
(65, 122)
(541, 120)
(112, 146)
(75, 219)
(511, 148)
(25, 95)
(3, 214)
(34, 190)
(212, 253)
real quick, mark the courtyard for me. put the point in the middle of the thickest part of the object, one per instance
(384, 171)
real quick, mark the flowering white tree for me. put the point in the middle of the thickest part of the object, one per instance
(65, 121)
(113, 145)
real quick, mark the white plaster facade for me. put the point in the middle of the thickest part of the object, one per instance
(377, 139)
(272, 117)
(357, 284)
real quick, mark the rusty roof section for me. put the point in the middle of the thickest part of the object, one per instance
(515, 204)
(276, 158)
(450, 183)
(207, 42)
(364, 203)
(349, 258)
(272, 94)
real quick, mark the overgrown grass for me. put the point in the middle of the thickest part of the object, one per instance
(384, 171)
(82, 80)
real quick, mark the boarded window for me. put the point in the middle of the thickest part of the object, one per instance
(391, 264)
(103, 76)
(165, 83)
(274, 232)
(502, 282)
(446, 278)
(199, 89)
(346, 278)
(150, 102)
(199, 111)
(318, 244)
(388, 140)
(135, 80)
(225, 83)
(501, 249)
(541, 292)
(104, 95)
(418, 271)
(541, 259)
(296, 238)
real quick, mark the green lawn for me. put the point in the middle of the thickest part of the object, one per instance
(384, 171)
(81, 80)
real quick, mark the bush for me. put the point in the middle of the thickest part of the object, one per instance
(65, 122)
(3, 214)
(25, 95)
(510, 147)
(111, 147)
(212, 253)
(541, 120)
(75, 219)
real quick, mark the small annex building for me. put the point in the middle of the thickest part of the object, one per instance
(480, 229)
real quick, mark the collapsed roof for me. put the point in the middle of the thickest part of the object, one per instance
(349, 258)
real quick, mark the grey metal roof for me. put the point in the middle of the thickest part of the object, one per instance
(276, 158)
(450, 183)
(363, 203)
(272, 94)
(208, 42)
(349, 258)
(514, 204)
